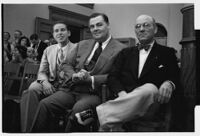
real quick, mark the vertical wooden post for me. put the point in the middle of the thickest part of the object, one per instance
(188, 66)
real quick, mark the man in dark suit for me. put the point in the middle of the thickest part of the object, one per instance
(142, 76)
(38, 45)
(93, 62)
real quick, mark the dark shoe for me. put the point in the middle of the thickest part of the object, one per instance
(85, 117)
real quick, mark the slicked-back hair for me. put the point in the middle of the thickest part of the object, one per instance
(105, 17)
(60, 22)
(34, 37)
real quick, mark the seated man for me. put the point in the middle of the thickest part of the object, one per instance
(56, 68)
(142, 77)
(93, 62)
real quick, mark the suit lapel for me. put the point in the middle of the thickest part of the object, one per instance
(53, 58)
(67, 51)
(85, 51)
(134, 57)
(149, 61)
(104, 57)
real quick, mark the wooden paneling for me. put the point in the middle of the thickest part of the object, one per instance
(43, 27)
(128, 41)
(188, 66)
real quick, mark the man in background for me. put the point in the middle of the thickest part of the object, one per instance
(38, 45)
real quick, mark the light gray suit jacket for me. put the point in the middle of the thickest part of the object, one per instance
(48, 65)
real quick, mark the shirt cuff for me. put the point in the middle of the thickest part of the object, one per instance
(92, 78)
(173, 85)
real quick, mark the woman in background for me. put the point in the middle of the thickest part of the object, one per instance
(31, 55)
(24, 41)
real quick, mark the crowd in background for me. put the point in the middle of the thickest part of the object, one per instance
(24, 49)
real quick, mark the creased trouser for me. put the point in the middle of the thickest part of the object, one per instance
(125, 108)
(28, 106)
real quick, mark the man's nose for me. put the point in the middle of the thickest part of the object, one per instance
(95, 28)
(141, 28)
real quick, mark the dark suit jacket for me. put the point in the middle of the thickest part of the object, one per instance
(103, 64)
(40, 50)
(161, 65)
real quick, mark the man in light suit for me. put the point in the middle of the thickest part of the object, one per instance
(56, 68)
(143, 76)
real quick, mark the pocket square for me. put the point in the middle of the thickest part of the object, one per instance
(160, 66)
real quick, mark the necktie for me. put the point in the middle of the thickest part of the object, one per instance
(60, 56)
(97, 53)
(95, 57)
(143, 46)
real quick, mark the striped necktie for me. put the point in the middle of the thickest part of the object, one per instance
(60, 56)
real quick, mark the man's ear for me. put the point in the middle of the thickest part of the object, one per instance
(69, 33)
(155, 29)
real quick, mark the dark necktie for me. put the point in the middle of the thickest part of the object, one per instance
(94, 59)
(97, 53)
(143, 46)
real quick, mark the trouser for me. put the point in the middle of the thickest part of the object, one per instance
(113, 113)
(37, 110)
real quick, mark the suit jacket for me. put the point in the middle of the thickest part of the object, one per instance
(104, 62)
(48, 65)
(42, 46)
(161, 65)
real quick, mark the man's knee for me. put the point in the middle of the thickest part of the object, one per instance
(84, 105)
(45, 103)
(35, 86)
(147, 90)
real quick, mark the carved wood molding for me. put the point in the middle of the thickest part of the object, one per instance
(72, 18)
(91, 6)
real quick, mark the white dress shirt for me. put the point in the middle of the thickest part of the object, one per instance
(142, 58)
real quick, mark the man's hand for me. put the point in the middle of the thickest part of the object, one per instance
(165, 92)
(48, 88)
(86, 77)
(77, 77)
(81, 76)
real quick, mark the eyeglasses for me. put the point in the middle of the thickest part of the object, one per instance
(144, 25)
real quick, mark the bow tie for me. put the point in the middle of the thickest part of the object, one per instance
(143, 46)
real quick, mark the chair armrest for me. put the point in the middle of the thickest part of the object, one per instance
(13, 78)
(105, 93)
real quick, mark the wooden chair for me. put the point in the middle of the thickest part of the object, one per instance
(10, 73)
(160, 124)
(29, 75)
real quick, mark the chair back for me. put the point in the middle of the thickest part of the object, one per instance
(29, 75)
(10, 72)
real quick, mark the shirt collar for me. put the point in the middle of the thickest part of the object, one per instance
(104, 44)
(63, 48)
(151, 45)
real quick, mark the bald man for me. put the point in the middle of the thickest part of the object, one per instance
(142, 78)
